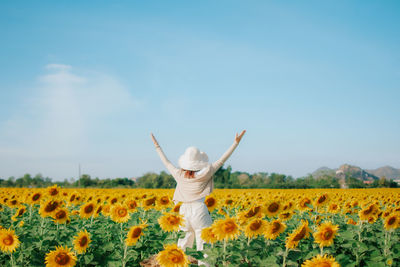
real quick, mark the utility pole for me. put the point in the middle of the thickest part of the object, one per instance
(79, 178)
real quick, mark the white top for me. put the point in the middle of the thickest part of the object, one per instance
(192, 189)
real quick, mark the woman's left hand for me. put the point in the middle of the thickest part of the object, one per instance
(154, 140)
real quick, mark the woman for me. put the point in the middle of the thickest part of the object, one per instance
(194, 183)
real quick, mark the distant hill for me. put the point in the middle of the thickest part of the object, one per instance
(323, 171)
(356, 172)
(359, 173)
(386, 171)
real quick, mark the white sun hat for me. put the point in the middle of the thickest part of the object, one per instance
(193, 159)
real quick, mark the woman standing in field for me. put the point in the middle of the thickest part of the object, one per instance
(194, 183)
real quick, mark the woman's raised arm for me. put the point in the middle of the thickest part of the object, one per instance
(171, 168)
(218, 164)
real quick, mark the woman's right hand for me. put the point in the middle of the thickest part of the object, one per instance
(239, 137)
(154, 140)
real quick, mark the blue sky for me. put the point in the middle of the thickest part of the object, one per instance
(314, 83)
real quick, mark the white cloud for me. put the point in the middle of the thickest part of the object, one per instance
(56, 122)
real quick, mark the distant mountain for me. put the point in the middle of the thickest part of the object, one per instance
(386, 171)
(323, 171)
(356, 172)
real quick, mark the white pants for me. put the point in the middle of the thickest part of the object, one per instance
(196, 217)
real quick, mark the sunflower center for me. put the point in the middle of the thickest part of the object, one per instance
(321, 199)
(164, 200)
(175, 256)
(327, 234)
(150, 201)
(113, 200)
(300, 235)
(229, 227)
(122, 212)
(132, 204)
(36, 196)
(83, 241)
(229, 201)
(72, 198)
(21, 211)
(61, 214)
(255, 225)
(305, 202)
(210, 202)
(273, 207)
(89, 209)
(392, 220)
(51, 206)
(99, 209)
(177, 208)
(53, 191)
(62, 258)
(275, 227)
(252, 212)
(367, 211)
(173, 220)
(8, 240)
(13, 202)
(136, 232)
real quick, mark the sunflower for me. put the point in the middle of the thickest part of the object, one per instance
(170, 222)
(163, 202)
(274, 229)
(131, 204)
(8, 240)
(304, 204)
(81, 241)
(35, 198)
(253, 212)
(226, 228)
(298, 234)
(53, 191)
(119, 213)
(367, 212)
(211, 203)
(19, 212)
(272, 208)
(255, 228)
(172, 256)
(286, 215)
(208, 235)
(61, 257)
(392, 221)
(334, 208)
(60, 215)
(134, 234)
(325, 234)
(149, 203)
(322, 200)
(48, 207)
(177, 207)
(106, 210)
(87, 210)
(325, 261)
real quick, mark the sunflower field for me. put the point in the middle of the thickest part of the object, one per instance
(259, 227)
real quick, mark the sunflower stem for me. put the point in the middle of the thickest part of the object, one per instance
(30, 212)
(224, 256)
(284, 257)
(125, 254)
(12, 260)
(360, 230)
(322, 250)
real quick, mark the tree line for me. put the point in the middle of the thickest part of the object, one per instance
(223, 178)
